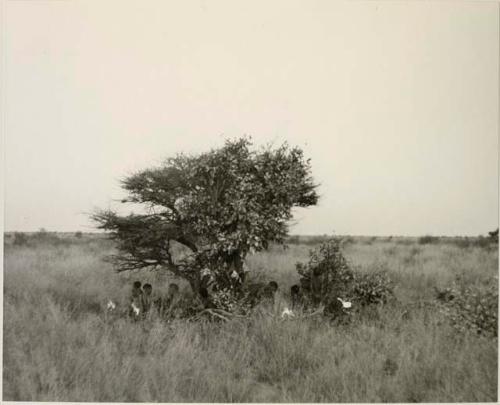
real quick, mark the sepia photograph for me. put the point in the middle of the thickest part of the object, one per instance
(218, 201)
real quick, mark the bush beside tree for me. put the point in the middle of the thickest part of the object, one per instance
(328, 276)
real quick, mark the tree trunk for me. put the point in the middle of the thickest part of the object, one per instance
(236, 265)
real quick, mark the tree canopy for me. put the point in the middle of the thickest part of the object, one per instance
(219, 205)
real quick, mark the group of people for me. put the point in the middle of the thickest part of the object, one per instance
(142, 301)
(260, 292)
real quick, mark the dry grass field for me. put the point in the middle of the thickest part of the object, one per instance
(60, 345)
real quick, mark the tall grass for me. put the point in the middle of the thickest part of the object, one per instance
(60, 346)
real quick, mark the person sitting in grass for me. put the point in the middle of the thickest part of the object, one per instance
(269, 292)
(173, 296)
(205, 298)
(167, 306)
(146, 298)
(267, 304)
(336, 309)
(333, 308)
(254, 293)
(259, 292)
(295, 296)
(135, 300)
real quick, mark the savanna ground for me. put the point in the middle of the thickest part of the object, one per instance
(59, 344)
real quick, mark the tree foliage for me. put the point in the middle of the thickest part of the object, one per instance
(220, 206)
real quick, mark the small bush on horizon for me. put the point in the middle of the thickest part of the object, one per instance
(479, 242)
(482, 242)
(348, 240)
(370, 240)
(42, 237)
(493, 235)
(404, 241)
(293, 240)
(20, 239)
(49, 238)
(462, 243)
(427, 240)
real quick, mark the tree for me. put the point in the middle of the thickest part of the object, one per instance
(219, 206)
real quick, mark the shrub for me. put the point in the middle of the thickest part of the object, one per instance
(404, 241)
(472, 307)
(228, 301)
(444, 295)
(293, 240)
(348, 240)
(479, 241)
(482, 242)
(427, 240)
(370, 240)
(493, 235)
(78, 234)
(20, 239)
(372, 288)
(42, 237)
(312, 240)
(462, 243)
(328, 275)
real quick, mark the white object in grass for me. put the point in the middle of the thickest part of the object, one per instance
(136, 309)
(111, 305)
(287, 313)
(345, 304)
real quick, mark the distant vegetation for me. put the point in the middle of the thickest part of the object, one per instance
(493, 236)
(43, 237)
(460, 241)
(427, 239)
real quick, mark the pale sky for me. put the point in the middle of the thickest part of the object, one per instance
(396, 103)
